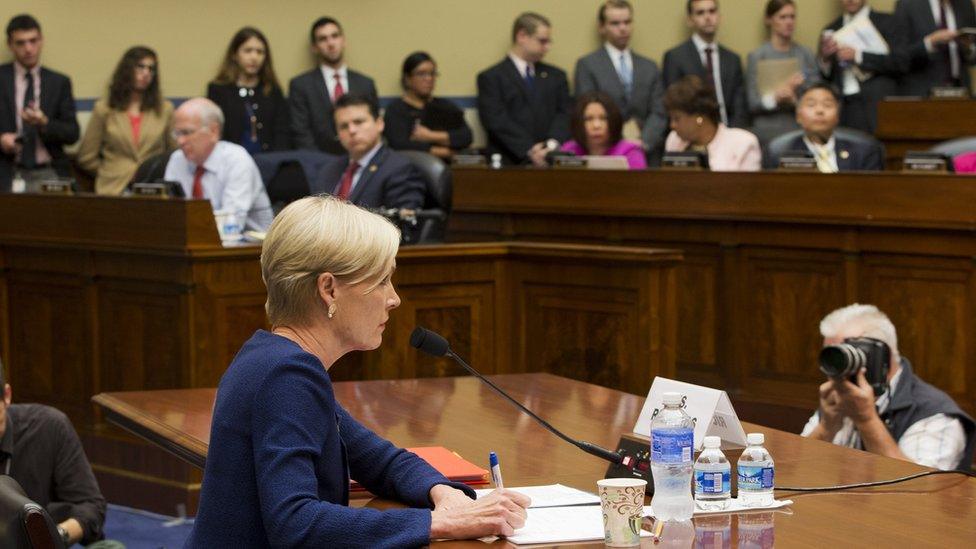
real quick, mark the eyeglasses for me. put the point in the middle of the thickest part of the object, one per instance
(178, 133)
(146, 67)
(426, 74)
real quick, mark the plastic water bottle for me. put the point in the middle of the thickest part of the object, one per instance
(713, 477)
(755, 473)
(672, 442)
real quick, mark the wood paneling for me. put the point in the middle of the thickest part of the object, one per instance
(766, 256)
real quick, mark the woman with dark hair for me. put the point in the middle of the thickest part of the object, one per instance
(130, 125)
(247, 91)
(418, 121)
(773, 106)
(696, 126)
(597, 128)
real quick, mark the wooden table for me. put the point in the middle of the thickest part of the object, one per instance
(766, 256)
(469, 418)
(915, 124)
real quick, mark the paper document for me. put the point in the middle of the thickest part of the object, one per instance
(553, 495)
(734, 507)
(772, 74)
(562, 524)
(862, 35)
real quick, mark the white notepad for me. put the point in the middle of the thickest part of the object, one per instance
(552, 495)
(562, 525)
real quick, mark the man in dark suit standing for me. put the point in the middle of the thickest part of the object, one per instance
(702, 56)
(935, 52)
(633, 81)
(371, 174)
(818, 113)
(524, 103)
(311, 95)
(37, 110)
(863, 78)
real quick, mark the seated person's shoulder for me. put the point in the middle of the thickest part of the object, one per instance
(40, 417)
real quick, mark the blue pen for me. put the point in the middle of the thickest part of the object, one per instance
(496, 470)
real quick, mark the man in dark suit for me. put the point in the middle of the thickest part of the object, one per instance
(864, 78)
(371, 174)
(933, 50)
(818, 113)
(524, 103)
(311, 95)
(702, 56)
(37, 110)
(632, 80)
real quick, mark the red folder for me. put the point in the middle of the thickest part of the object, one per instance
(447, 463)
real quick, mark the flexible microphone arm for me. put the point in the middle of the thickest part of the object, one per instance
(434, 344)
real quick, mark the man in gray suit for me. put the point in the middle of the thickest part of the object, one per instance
(632, 80)
(311, 95)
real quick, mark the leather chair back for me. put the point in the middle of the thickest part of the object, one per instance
(781, 144)
(152, 169)
(23, 523)
(439, 195)
(955, 147)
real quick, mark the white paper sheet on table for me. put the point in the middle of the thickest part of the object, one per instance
(552, 495)
(734, 507)
(561, 525)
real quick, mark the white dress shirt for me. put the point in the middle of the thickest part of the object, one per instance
(615, 56)
(41, 156)
(937, 441)
(329, 74)
(824, 153)
(521, 65)
(850, 79)
(951, 25)
(701, 44)
(231, 182)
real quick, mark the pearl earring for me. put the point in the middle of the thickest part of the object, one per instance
(699, 120)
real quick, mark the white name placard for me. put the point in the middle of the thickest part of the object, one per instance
(711, 409)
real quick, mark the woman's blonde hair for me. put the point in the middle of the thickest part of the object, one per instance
(321, 234)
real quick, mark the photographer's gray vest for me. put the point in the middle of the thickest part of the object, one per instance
(915, 400)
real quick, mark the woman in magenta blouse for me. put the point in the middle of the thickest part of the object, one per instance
(597, 128)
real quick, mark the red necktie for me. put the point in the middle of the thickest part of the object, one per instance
(198, 182)
(710, 65)
(345, 186)
(338, 92)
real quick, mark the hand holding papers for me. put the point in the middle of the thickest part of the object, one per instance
(773, 75)
(861, 35)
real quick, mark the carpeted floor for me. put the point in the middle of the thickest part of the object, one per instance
(144, 530)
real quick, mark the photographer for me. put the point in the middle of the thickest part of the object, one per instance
(891, 413)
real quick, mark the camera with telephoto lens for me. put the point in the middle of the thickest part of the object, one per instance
(847, 358)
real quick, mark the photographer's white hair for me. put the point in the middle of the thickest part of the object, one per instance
(871, 321)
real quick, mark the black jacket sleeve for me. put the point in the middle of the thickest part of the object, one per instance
(62, 126)
(398, 127)
(281, 137)
(76, 494)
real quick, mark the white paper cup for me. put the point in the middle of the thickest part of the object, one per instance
(622, 500)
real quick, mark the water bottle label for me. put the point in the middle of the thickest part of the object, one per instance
(755, 478)
(672, 445)
(713, 482)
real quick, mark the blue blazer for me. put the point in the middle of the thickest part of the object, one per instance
(852, 156)
(389, 181)
(282, 451)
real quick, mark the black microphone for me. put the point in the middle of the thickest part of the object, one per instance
(434, 344)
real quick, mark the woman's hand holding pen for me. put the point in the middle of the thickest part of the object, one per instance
(499, 513)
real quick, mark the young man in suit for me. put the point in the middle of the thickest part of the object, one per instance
(37, 110)
(933, 50)
(524, 103)
(818, 114)
(703, 56)
(633, 81)
(371, 174)
(864, 78)
(312, 95)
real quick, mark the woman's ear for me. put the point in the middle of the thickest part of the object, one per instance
(325, 286)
